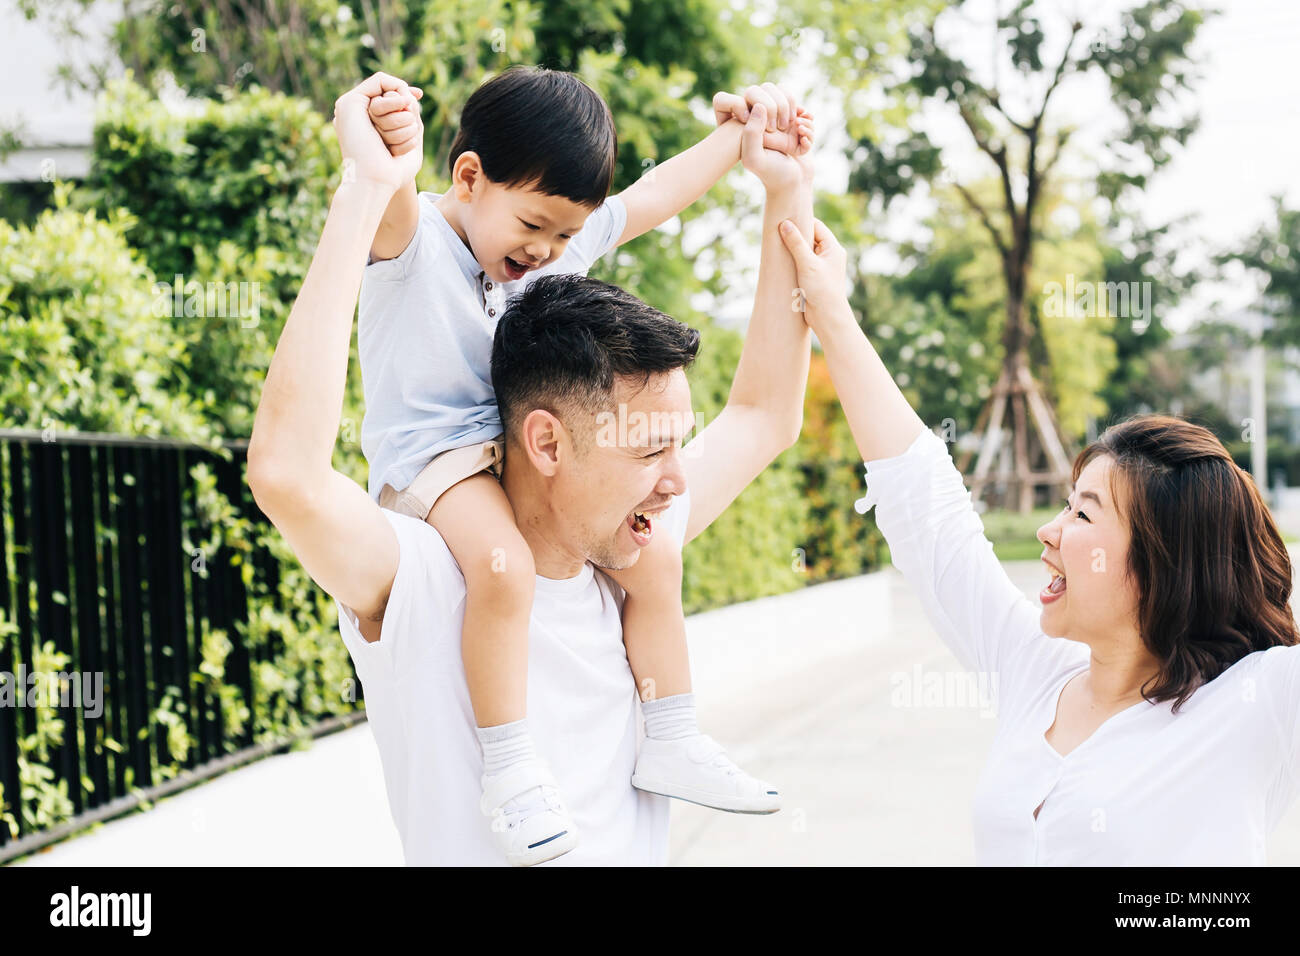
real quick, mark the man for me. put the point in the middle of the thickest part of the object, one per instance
(399, 591)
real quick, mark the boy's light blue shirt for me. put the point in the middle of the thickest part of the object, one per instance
(424, 338)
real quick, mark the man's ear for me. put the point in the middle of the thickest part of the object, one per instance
(542, 436)
(467, 175)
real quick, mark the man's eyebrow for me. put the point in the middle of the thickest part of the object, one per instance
(655, 440)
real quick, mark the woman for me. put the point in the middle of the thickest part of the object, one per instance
(1149, 710)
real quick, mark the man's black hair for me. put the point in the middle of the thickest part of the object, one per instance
(541, 128)
(562, 342)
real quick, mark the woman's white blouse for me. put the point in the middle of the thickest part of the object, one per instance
(1204, 786)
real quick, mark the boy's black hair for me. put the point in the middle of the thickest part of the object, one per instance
(542, 128)
(561, 343)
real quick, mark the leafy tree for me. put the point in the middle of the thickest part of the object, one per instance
(1145, 61)
(1273, 254)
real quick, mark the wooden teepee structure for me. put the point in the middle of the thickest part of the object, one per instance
(1021, 447)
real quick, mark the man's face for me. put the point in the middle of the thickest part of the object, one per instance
(515, 230)
(628, 460)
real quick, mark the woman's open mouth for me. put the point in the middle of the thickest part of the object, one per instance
(514, 269)
(1054, 589)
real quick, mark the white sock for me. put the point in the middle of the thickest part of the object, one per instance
(505, 746)
(670, 718)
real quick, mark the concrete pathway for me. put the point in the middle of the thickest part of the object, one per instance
(800, 687)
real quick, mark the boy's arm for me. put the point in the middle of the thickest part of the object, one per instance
(397, 229)
(333, 527)
(396, 115)
(676, 183)
(764, 411)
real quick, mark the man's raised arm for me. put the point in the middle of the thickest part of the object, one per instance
(764, 411)
(334, 528)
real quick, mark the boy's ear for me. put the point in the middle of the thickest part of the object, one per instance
(467, 175)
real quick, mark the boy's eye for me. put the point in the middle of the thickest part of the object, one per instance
(530, 225)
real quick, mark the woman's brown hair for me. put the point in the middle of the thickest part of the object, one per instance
(1211, 571)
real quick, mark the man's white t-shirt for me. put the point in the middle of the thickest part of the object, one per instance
(582, 709)
(424, 340)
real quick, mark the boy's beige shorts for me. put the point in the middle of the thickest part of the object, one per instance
(445, 470)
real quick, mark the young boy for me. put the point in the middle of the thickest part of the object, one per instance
(531, 168)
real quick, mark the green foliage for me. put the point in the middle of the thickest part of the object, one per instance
(750, 550)
(1273, 253)
(84, 351)
(226, 201)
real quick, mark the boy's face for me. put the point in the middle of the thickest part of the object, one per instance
(515, 230)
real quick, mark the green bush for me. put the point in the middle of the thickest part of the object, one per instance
(83, 350)
(750, 550)
(227, 199)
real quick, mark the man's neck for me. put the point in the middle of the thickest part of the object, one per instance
(553, 557)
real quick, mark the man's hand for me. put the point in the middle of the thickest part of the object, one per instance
(366, 159)
(396, 114)
(788, 127)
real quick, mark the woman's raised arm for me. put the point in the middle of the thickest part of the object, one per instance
(922, 506)
(882, 421)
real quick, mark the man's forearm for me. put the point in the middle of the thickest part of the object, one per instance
(298, 417)
(773, 371)
(676, 183)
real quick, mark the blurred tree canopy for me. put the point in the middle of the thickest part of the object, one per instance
(1005, 110)
(1273, 254)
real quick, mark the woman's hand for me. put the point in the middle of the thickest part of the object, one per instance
(821, 271)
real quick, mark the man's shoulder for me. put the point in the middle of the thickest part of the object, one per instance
(423, 552)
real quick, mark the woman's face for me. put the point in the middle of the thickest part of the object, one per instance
(1090, 596)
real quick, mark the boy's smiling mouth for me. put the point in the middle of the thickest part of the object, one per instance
(516, 269)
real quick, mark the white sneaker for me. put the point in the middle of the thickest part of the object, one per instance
(697, 769)
(537, 827)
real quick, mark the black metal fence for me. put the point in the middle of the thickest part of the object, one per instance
(98, 561)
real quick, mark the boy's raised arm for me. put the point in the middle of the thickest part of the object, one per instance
(676, 183)
(396, 115)
(334, 528)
